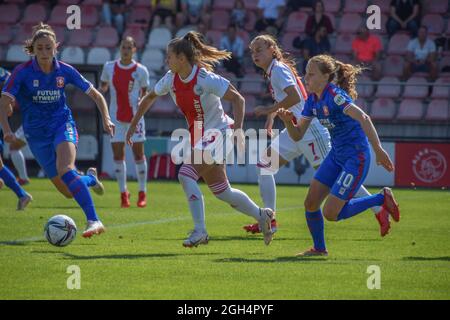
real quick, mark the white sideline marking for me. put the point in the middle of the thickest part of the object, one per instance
(134, 224)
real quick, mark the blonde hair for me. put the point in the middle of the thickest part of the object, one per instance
(278, 53)
(39, 31)
(340, 73)
(197, 52)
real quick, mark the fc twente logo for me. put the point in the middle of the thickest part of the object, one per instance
(429, 165)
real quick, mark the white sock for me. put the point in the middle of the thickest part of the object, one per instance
(236, 199)
(121, 175)
(19, 163)
(188, 178)
(363, 192)
(141, 172)
(267, 189)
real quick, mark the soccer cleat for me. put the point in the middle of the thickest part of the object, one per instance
(254, 228)
(383, 219)
(265, 222)
(93, 227)
(390, 204)
(24, 201)
(195, 238)
(23, 182)
(98, 187)
(313, 253)
(142, 201)
(125, 199)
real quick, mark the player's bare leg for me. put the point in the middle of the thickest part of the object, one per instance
(141, 173)
(118, 149)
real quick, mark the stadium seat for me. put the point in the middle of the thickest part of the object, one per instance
(82, 102)
(89, 17)
(220, 19)
(251, 21)
(98, 56)
(349, 23)
(15, 53)
(438, 110)
(159, 38)
(142, 3)
(343, 44)
(388, 87)
(215, 36)
(414, 91)
(441, 92)
(80, 37)
(287, 41)
(383, 4)
(34, 13)
(73, 55)
(224, 5)
(87, 148)
(183, 31)
(445, 62)
(68, 2)
(139, 17)
(96, 3)
(410, 109)
(356, 6)
(398, 44)
(106, 37)
(60, 34)
(364, 91)
(164, 106)
(23, 33)
(296, 22)
(362, 104)
(382, 109)
(153, 59)
(251, 4)
(245, 38)
(9, 13)
(251, 84)
(436, 6)
(5, 34)
(393, 66)
(332, 7)
(58, 16)
(347, 58)
(434, 23)
(138, 35)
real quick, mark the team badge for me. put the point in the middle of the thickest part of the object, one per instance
(35, 83)
(60, 82)
(325, 111)
(339, 99)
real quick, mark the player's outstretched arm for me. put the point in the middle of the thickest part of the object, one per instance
(369, 129)
(292, 98)
(238, 105)
(296, 132)
(144, 105)
(5, 111)
(100, 101)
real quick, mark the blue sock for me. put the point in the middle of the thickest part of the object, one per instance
(358, 205)
(10, 180)
(88, 180)
(315, 225)
(80, 192)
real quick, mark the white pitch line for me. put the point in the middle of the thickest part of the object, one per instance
(134, 224)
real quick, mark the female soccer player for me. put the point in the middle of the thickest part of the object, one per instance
(197, 92)
(288, 92)
(331, 85)
(128, 82)
(38, 85)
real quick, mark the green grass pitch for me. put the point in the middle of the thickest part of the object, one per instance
(141, 256)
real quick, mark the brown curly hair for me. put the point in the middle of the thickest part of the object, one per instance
(39, 31)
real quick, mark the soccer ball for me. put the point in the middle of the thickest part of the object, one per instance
(60, 230)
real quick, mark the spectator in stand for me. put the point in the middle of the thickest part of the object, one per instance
(238, 14)
(295, 5)
(318, 44)
(115, 10)
(269, 14)
(405, 15)
(164, 13)
(367, 49)
(421, 56)
(233, 43)
(194, 11)
(318, 18)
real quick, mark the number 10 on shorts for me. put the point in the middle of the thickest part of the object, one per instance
(345, 180)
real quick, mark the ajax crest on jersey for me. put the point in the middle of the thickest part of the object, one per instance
(60, 230)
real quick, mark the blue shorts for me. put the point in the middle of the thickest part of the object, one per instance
(344, 175)
(44, 146)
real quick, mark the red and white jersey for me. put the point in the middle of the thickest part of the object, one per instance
(198, 97)
(125, 85)
(281, 77)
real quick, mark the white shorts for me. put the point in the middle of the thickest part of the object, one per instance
(217, 143)
(315, 145)
(122, 128)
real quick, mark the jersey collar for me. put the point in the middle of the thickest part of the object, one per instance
(191, 76)
(269, 69)
(36, 66)
(324, 90)
(129, 66)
